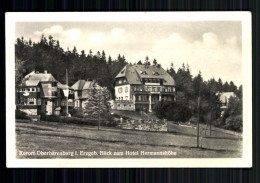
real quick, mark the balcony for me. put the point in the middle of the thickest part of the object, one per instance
(142, 102)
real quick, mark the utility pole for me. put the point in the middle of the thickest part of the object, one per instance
(99, 109)
(210, 121)
(210, 114)
(67, 83)
(198, 124)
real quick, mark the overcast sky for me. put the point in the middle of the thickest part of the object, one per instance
(213, 47)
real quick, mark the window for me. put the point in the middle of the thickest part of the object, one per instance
(31, 100)
(120, 81)
(173, 89)
(119, 90)
(38, 89)
(23, 89)
(54, 84)
(154, 80)
(54, 93)
(124, 80)
(126, 89)
(149, 89)
(139, 98)
(155, 73)
(135, 88)
(33, 89)
(118, 105)
(159, 89)
(126, 97)
(22, 101)
(153, 89)
(28, 89)
(143, 72)
(39, 101)
(79, 93)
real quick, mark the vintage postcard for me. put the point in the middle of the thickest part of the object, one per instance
(120, 89)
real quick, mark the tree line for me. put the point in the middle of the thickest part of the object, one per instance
(48, 55)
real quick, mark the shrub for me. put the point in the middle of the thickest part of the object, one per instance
(76, 120)
(173, 111)
(234, 123)
(78, 112)
(21, 115)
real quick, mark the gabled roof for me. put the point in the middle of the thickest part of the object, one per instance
(84, 85)
(224, 96)
(135, 73)
(33, 79)
(31, 82)
(63, 86)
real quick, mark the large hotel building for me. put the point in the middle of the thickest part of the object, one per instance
(139, 87)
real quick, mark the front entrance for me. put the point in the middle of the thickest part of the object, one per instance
(142, 107)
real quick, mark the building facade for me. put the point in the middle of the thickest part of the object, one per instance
(65, 93)
(224, 99)
(140, 87)
(37, 94)
(81, 92)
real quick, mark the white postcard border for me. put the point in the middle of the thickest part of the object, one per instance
(245, 17)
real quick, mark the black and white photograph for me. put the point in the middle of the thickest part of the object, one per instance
(146, 89)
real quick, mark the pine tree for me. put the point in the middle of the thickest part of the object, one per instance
(220, 85)
(96, 98)
(155, 62)
(139, 62)
(225, 87)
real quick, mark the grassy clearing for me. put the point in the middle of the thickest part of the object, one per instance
(51, 136)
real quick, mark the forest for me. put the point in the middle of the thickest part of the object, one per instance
(47, 54)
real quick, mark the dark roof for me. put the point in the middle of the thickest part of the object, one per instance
(135, 73)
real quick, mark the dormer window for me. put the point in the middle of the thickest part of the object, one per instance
(122, 71)
(143, 72)
(155, 73)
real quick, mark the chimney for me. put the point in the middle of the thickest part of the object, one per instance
(45, 72)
